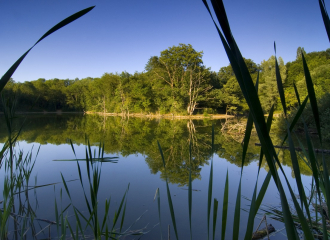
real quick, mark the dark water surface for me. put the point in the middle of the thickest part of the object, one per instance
(134, 142)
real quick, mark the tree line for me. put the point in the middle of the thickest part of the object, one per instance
(174, 82)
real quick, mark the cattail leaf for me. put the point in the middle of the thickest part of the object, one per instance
(325, 17)
(169, 198)
(190, 190)
(296, 117)
(296, 171)
(280, 84)
(224, 209)
(5, 78)
(297, 94)
(312, 97)
(209, 192)
(252, 213)
(215, 214)
(237, 213)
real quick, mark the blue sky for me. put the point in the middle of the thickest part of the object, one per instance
(122, 35)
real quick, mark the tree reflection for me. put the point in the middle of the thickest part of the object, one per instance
(128, 136)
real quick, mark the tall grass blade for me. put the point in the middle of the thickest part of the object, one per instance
(117, 213)
(72, 148)
(246, 84)
(269, 125)
(312, 160)
(253, 210)
(325, 17)
(83, 188)
(297, 94)
(78, 221)
(123, 216)
(326, 183)
(296, 171)
(302, 219)
(252, 213)
(160, 221)
(289, 225)
(224, 209)
(66, 187)
(248, 130)
(279, 82)
(70, 229)
(324, 227)
(215, 214)
(169, 194)
(190, 191)
(296, 117)
(237, 213)
(312, 97)
(263, 190)
(106, 212)
(209, 193)
(56, 216)
(5, 78)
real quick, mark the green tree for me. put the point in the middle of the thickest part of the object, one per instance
(232, 99)
(317, 63)
(268, 84)
(182, 75)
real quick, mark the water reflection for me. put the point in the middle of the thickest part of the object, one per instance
(140, 136)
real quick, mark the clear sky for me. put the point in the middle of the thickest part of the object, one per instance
(121, 35)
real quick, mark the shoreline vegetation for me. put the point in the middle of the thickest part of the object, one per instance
(137, 115)
(166, 116)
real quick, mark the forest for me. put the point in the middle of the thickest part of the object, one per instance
(174, 82)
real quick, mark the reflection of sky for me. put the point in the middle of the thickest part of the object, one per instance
(122, 35)
(134, 171)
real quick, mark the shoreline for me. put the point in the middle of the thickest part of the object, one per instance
(165, 116)
(57, 112)
(137, 115)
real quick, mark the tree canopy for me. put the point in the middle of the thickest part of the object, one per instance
(175, 82)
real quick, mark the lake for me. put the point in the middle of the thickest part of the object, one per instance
(139, 164)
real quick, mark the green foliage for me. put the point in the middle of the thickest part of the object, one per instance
(175, 82)
(231, 96)
(324, 110)
(180, 74)
(268, 87)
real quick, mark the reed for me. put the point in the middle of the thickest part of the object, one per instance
(320, 177)
(302, 203)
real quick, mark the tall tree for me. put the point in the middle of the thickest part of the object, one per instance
(181, 70)
(268, 85)
(232, 99)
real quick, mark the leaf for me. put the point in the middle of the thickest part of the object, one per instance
(209, 192)
(237, 214)
(325, 17)
(215, 214)
(5, 78)
(279, 83)
(170, 203)
(190, 191)
(224, 209)
(312, 97)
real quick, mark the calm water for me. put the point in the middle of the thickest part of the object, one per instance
(134, 142)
